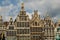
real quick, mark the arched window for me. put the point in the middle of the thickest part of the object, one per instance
(35, 23)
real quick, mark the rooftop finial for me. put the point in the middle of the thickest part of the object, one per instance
(22, 6)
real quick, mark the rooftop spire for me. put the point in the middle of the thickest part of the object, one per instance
(22, 6)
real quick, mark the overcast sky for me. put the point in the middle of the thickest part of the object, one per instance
(12, 7)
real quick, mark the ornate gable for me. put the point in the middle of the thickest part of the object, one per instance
(48, 21)
(36, 17)
(11, 24)
(22, 15)
(36, 20)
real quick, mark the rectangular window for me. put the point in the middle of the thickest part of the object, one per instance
(36, 38)
(22, 24)
(11, 33)
(23, 18)
(26, 24)
(23, 31)
(58, 29)
(24, 38)
(18, 24)
(36, 29)
(46, 32)
(11, 27)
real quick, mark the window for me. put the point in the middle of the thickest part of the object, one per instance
(22, 24)
(11, 27)
(23, 31)
(23, 18)
(24, 37)
(11, 33)
(11, 23)
(26, 24)
(18, 31)
(35, 23)
(18, 37)
(36, 29)
(26, 31)
(21, 12)
(59, 36)
(18, 24)
(59, 24)
(58, 29)
(36, 37)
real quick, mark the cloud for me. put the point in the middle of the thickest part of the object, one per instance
(9, 10)
(51, 7)
(30, 14)
(4, 11)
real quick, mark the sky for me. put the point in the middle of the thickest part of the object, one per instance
(12, 7)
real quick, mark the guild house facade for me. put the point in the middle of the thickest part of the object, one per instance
(24, 28)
